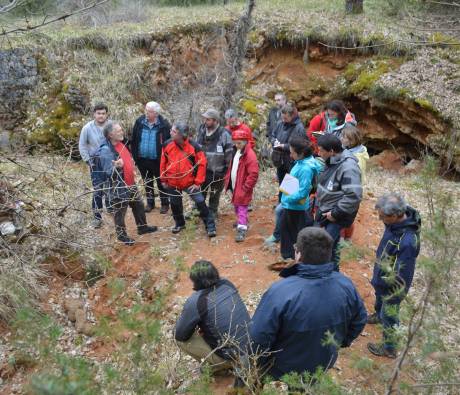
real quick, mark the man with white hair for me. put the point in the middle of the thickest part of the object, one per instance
(150, 132)
(394, 267)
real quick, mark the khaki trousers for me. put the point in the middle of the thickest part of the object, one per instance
(197, 348)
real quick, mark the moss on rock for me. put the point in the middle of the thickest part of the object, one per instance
(55, 123)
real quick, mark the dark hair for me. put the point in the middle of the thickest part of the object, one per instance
(203, 275)
(301, 146)
(330, 142)
(314, 245)
(100, 106)
(353, 134)
(339, 107)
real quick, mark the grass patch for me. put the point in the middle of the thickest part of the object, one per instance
(352, 252)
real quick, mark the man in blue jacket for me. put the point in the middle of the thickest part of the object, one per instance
(394, 267)
(298, 315)
(150, 132)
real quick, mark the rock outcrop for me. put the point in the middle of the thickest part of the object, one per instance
(18, 77)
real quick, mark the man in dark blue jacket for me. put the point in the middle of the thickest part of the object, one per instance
(394, 267)
(213, 318)
(298, 315)
(150, 133)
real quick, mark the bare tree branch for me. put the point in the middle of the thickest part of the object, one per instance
(11, 6)
(56, 19)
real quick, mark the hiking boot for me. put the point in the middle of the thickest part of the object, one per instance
(271, 240)
(142, 230)
(380, 351)
(125, 239)
(240, 235)
(281, 264)
(177, 229)
(96, 223)
(149, 208)
(164, 209)
(211, 233)
(373, 319)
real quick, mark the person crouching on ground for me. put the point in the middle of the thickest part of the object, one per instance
(214, 318)
(118, 166)
(241, 179)
(295, 215)
(183, 168)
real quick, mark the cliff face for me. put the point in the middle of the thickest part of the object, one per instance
(408, 106)
(18, 77)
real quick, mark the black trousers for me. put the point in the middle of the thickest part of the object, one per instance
(120, 207)
(292, 222)
(213, 186)
(150, 172)
(178, 209)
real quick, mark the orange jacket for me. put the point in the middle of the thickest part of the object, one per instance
(181, 167)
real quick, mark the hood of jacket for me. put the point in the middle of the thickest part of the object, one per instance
(412, 222)
(342, 157)
(359, 149)
(305, 270)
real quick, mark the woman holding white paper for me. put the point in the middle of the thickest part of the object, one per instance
(295, 197)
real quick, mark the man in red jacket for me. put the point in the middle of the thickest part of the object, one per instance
(241, 179)
(234, 124)
(183, 168)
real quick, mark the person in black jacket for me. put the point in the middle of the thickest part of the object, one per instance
(289, 127)
(150, 132)
(214, 318)
(216, 142)
(274, 116)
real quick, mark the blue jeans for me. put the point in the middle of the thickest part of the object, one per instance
(278, 212)
(388, 313)
(98, 195)
(334, 231)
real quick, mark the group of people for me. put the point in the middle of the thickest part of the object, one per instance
(219, 158)
(328, 162)
(303, 319)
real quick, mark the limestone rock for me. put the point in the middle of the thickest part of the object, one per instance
(18, 76)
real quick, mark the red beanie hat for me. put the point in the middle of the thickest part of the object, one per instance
(240, 134)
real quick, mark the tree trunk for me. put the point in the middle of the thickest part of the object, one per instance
(354, 6)
(236, 55)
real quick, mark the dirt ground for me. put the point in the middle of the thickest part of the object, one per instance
(245, 265)
(242, 263)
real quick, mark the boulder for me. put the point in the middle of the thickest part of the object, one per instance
(389, 160)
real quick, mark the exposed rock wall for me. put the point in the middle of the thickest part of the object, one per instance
(18, 77)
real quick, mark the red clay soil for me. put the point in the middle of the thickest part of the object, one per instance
(242, 263)
(245, 265)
